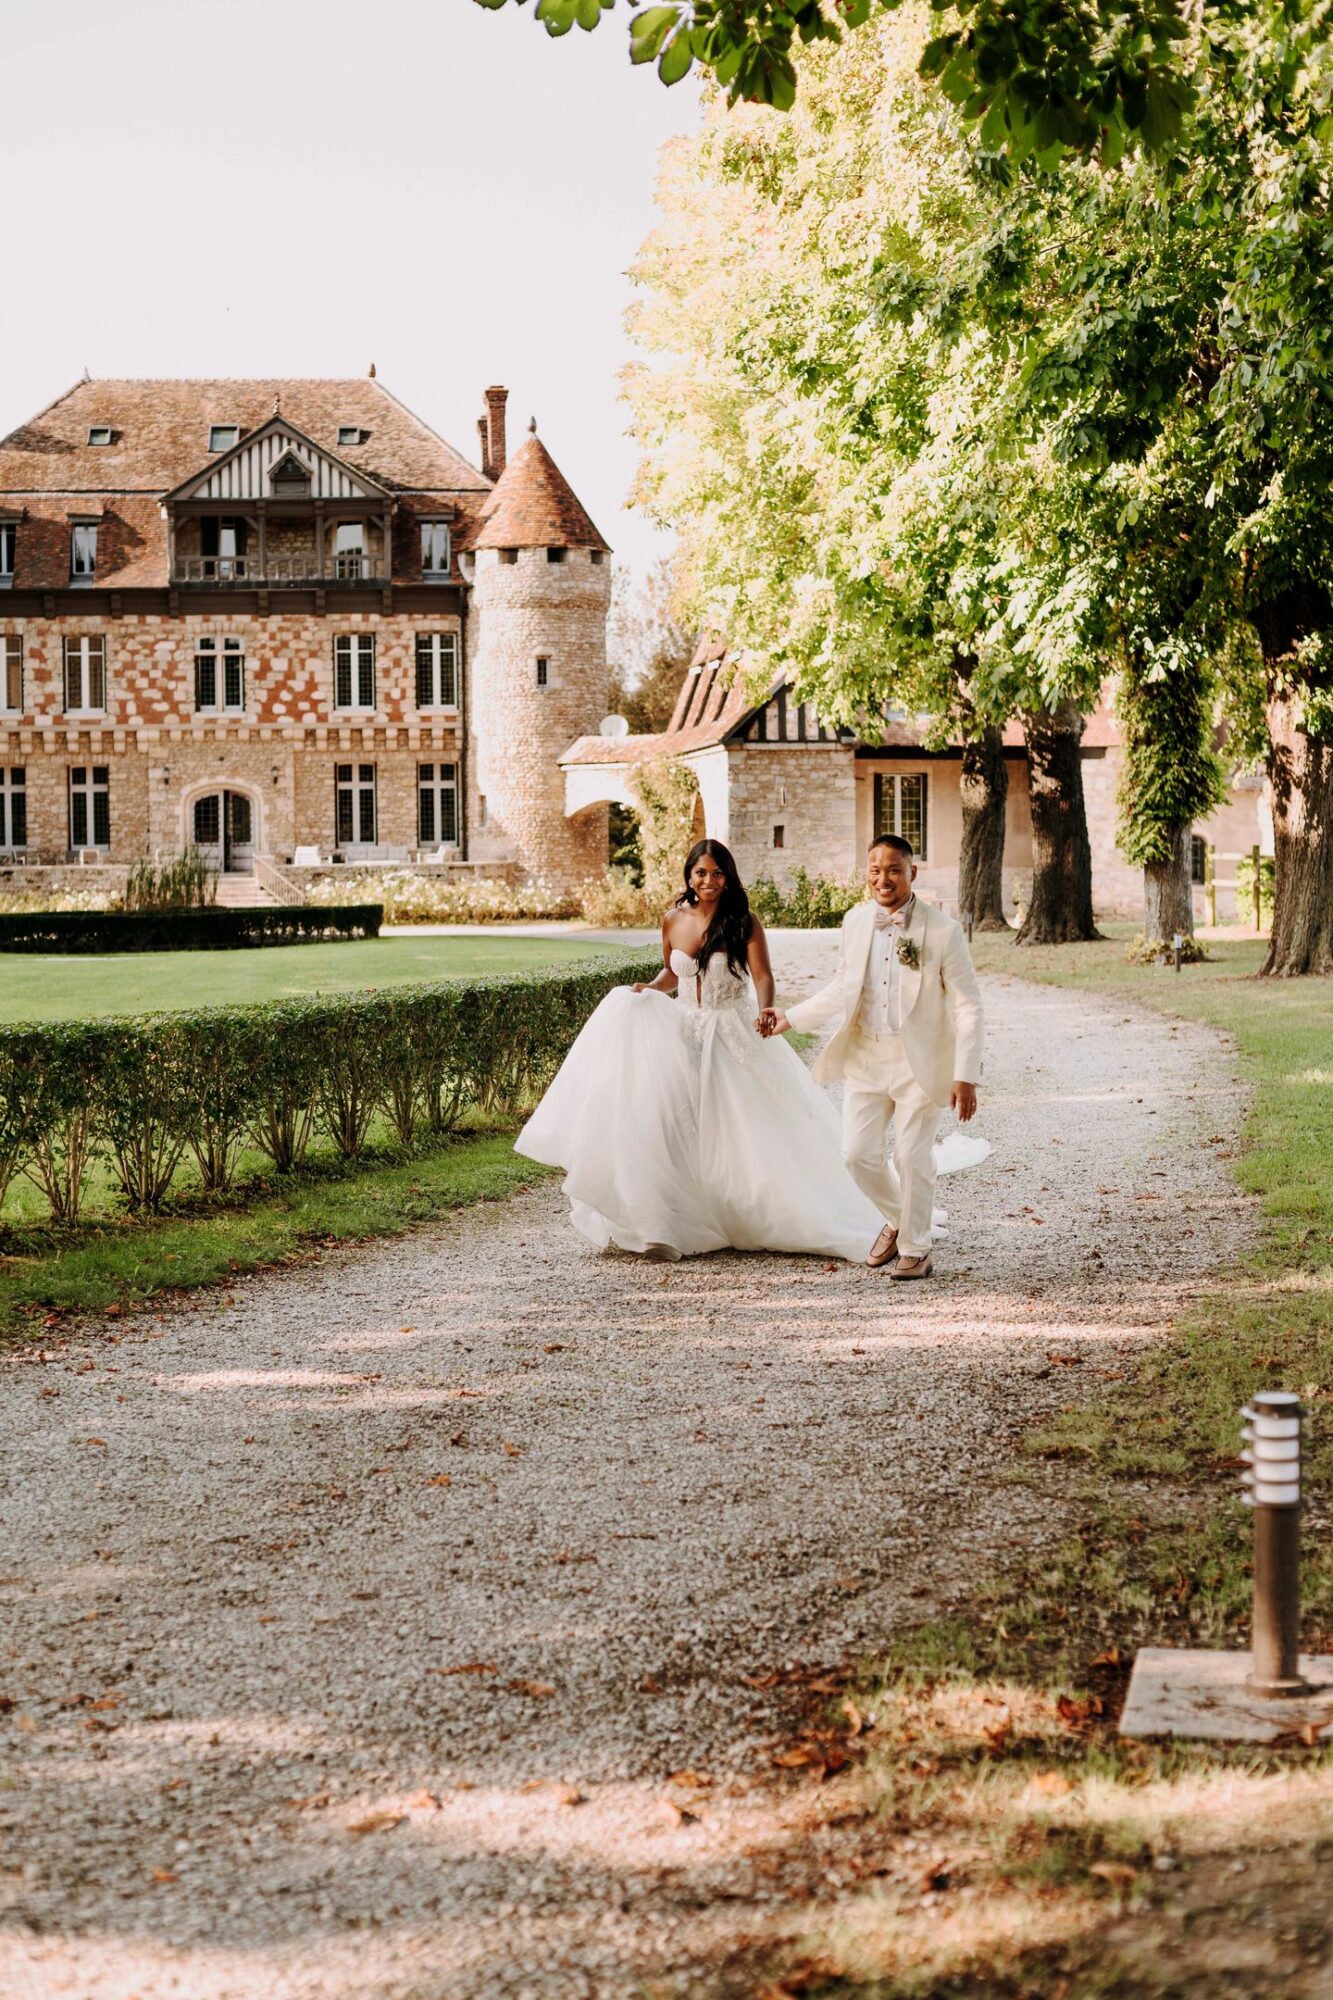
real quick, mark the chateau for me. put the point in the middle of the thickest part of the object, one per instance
(286, 621)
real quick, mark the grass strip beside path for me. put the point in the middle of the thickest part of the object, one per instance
(1020, 1850)
(116, 1265)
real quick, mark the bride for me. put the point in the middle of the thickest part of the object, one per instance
(681, 1125)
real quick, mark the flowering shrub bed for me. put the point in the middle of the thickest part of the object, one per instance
(144, 1093)
(810, 903)
(410, 896)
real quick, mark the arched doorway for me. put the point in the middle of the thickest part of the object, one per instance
(223, 831)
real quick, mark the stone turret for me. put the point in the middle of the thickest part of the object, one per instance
(541, 588)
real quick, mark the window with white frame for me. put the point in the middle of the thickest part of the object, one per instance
(221, 437)
(354, 800)
(85, 675)
(83, 551)
(219, 674)
(354, 670)
(900, 807)
(437, 670)
(434, 548)
(89, 806)
(13, 807)
(349, 434)
(8, 539)
(349, 550)
(99, 433)
(437, 804)
(11, 674)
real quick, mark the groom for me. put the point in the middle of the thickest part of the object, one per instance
(907, 1046)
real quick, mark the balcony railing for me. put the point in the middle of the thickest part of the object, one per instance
(249, 570)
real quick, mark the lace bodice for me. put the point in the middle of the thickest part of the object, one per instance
(717, 987)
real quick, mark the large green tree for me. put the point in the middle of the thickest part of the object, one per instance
(977, 436)
(1036, 76)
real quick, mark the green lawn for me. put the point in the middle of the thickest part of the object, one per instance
(1093, 1868)
(36, 986)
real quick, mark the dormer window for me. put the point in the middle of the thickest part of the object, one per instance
(349, 434)
(289, 476)
(434, 548)
(83, 551)
(99, 433)
(221, 437)
(8, 538)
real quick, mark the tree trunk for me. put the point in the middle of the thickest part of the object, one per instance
(1301, 770)
(1060, 911)
(1168, 894)
(983, 788)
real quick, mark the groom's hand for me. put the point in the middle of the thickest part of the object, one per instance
(772, 1022)
(963, 1100)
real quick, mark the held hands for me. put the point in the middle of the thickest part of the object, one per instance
(772, 1022)
(963, 1100)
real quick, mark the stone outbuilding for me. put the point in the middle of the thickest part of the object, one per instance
(784, 791)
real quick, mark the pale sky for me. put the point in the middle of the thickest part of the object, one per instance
(302, 187)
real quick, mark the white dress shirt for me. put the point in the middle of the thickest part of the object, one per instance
(881, 1009)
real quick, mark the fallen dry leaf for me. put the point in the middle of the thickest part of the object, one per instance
(701, 1780)
(1079, 1714)
(1110, 1658)
(299, 1805)
(535, 1688)
(376, 1822)
(424, 1802)
(554, 1347)
(164, 1875)
(1118, 1873)
(101, 1441)
(936, 1876)
(469, 1667)
(998, 1735)
(1065, 1360)
(440, 1479)
(512, 1450)
(855, 1719)
(768, 1680)
(1050, 1784)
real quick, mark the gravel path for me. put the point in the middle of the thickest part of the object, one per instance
(356, 1624)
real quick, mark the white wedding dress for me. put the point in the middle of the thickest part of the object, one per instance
(682, 1131)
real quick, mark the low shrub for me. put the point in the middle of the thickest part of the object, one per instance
(184, 930)
(141, 1092)
(1161, 951)
(618, 902)
(412, 896)
(810, 903)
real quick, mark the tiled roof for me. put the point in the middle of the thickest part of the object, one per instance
(712, 700)
(534, 506)
(159, 434)
(159, 439)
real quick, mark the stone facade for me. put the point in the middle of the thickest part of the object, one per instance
(280, 751)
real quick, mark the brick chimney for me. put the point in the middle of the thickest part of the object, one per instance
(496, 399)
(484, 445)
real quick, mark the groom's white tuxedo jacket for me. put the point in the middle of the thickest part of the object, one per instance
(942, 1023)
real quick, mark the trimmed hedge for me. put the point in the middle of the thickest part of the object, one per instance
(143, 1092)
(208, 929)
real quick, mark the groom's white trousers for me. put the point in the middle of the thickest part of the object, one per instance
(878, 1085)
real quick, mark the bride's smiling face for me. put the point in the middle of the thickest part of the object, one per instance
(707, 880)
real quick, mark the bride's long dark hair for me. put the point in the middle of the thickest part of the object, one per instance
(731, 924)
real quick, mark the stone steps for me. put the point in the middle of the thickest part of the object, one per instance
(242, 892)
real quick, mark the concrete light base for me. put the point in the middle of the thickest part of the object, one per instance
(1203, 1696)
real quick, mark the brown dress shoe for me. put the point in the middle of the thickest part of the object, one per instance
(884, 1248)
(912, 1267)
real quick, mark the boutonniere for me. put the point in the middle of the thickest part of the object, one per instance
(908, 954)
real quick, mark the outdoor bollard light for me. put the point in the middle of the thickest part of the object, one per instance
(1176, 943)
(1272, 1434)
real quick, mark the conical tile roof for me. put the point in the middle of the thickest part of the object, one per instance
(533, 506)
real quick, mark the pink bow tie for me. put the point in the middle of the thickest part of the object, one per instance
(891, 919)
